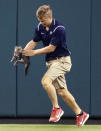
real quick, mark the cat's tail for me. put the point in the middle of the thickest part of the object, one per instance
(26, 68)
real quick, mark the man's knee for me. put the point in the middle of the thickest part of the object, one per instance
(46, 81)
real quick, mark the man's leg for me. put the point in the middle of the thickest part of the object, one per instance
(69, 99)
(57, 112)
(50, 89)
(81, 116)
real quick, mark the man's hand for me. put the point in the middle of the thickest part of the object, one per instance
(44, 50)
(28, 52)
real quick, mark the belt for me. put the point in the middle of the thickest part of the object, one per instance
(56, 58)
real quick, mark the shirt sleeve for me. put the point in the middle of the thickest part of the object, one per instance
(58, 36)
(37, 36)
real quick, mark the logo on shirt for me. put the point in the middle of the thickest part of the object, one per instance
(51, 32)
(42, 33)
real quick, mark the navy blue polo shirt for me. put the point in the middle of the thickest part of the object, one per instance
(56, 35)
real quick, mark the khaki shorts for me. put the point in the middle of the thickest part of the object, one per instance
(56, 70)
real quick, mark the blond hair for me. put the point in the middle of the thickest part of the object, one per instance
(43, 11)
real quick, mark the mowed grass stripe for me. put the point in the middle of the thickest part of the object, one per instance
(47, 127)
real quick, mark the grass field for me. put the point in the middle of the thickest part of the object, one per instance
(44, 127)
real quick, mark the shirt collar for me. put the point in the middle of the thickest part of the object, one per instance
(52, 24)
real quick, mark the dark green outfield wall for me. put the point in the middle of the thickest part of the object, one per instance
(22, 96)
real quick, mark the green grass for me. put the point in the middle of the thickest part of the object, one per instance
(44, 127)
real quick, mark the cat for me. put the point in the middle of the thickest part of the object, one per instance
(20, 58)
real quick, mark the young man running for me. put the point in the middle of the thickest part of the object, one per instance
(53, 35)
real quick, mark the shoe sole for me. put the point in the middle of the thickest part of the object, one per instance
(85, 119)
(59, 117)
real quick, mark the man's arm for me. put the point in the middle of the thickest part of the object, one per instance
(44, 50)
(31, 45)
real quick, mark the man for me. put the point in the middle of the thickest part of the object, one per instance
(58, 62)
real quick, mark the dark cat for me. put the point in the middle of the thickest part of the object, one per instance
(20, 58)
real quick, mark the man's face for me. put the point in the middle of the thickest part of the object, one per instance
(45, 21)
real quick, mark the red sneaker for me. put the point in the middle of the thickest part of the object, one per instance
(80, 120)
(56, 114)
